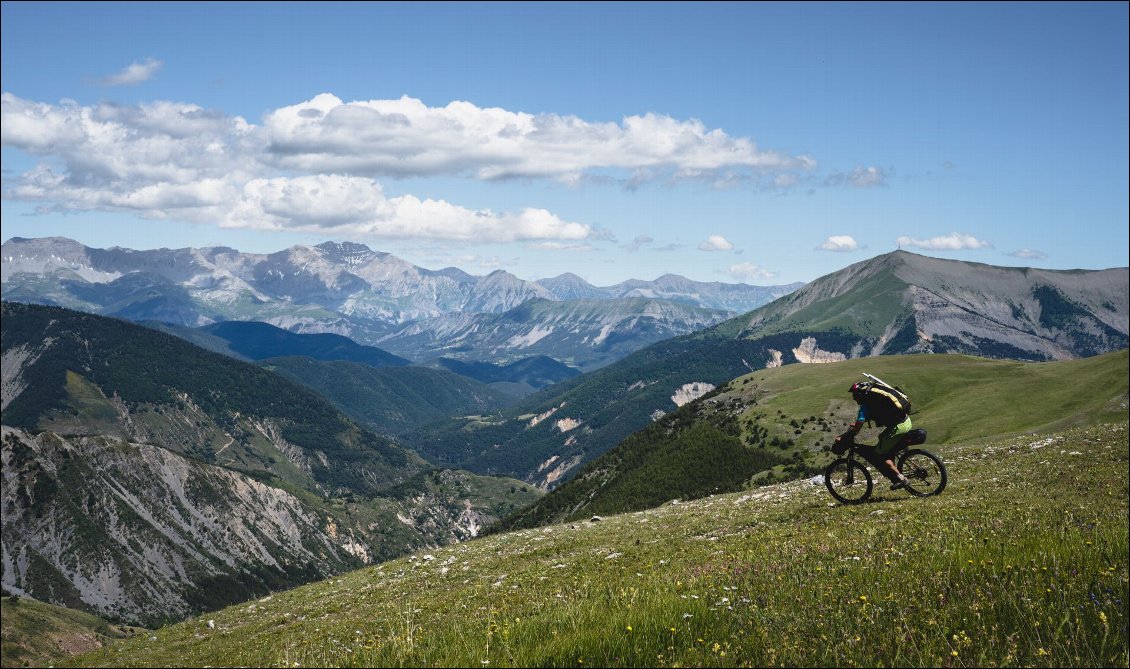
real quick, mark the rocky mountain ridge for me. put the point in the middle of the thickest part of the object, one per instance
(340, 288)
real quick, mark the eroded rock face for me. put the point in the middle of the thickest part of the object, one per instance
(140, 534)
(136, 533)
(809, 352)
(690, 392)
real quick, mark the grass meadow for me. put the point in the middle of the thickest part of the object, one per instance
(1021, 561)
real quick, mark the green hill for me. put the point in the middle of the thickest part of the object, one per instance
(390, 400)
(780, 423)
(1022, 561)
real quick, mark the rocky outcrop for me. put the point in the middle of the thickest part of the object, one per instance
(809, 352)
(690, 392)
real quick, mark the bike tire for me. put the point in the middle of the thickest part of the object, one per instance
(848, 481)
(925, 472)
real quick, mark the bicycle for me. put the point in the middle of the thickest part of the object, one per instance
(850, 482)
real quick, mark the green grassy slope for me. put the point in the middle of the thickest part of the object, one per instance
(1022, 561)
(781, 422)
(36, 634)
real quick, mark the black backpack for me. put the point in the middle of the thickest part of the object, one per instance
(887, 405)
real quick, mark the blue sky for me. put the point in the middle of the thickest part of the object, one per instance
(763, 143)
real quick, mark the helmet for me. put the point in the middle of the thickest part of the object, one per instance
(858, 390)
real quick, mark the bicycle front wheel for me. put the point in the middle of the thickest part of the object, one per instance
(848, 481)
(924, 471)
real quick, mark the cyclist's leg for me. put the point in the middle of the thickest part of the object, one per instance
(888, 444)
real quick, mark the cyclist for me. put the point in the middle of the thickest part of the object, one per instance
(875, 407)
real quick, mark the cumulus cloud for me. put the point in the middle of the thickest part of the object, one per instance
(173, 160)
(951, 242)
(750, 272)
(133, 74)
(311, 166)
(715, 243)
(1029, 254)
(358, 206)
(840, 243)
(405, 136)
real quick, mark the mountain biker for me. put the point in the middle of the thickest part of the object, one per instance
(881, 456)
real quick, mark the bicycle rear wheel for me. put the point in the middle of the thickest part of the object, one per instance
(848, 481)
(925, 472)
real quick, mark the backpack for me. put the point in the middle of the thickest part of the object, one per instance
(888, 404)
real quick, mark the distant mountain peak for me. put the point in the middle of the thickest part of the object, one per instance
(341, 287)
(347, 251)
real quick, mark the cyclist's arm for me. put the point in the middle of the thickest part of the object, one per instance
(860, 419)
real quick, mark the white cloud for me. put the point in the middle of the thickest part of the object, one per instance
(951, 242)
(358, 206)
(405, 136)
(133, 74)
(750, 272)
(310, 166)
(715, 243)
(841, 243)
(1029, 254)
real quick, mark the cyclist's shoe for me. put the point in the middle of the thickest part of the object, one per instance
(899, 485)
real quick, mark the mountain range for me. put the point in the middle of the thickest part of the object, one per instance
(369, 296)
(897, 303)
(146, 478)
